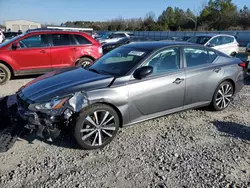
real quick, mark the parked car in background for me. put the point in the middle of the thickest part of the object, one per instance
(114, 37)
(248, 48)
(125, 40)
(186, 38)
(1, 36)
(10, 35)
(224, 43)
(37, 52)
(132, 83)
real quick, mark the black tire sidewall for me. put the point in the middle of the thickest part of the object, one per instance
(215, 107)
(7, 72)
(81, 118)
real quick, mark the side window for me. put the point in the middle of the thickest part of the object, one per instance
(197, 56)
(212, 56)
(228, 40)
(165, 61)
(216, 41)
(82, 40)
(118, 35)
(35, 41)
(62, 40)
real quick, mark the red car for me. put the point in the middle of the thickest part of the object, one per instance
(39, 52)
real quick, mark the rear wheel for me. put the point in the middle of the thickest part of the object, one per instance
(5, 74)
(222, 96)
(96, 126)
(233, 54)
(84, 62)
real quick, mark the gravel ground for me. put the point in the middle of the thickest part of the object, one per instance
(195, 148)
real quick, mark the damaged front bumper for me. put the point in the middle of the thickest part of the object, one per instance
(49, 124)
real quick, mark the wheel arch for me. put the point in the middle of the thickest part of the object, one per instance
(229, 80)
(116, 109)
(8, 65)
(87, 56)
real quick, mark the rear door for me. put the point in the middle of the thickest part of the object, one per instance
(33, 56)
(64, 50)
(202, 75)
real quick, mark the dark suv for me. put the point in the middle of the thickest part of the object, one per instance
(38, 52)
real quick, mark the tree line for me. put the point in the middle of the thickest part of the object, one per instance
(215, 15)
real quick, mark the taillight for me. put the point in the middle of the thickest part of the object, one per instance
(244, 65)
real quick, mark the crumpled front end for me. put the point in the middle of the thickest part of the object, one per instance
(49, 118)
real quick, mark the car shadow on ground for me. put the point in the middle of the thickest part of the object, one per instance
(234, 130)
(25, 77)
(64, 140)
(247, 81)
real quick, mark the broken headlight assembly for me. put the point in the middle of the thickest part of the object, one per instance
(57, 106)
(53, 107)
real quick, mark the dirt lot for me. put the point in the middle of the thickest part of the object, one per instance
(195, 148)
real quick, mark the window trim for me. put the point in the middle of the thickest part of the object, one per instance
(197, 66)
(164, 73)
(209, 42)
(52, 43)
(78, 44)
(47, 36)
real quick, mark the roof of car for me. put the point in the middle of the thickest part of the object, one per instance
(212, 35)
(153, 45)
(56, 31)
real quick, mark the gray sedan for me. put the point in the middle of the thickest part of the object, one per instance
(130, 84)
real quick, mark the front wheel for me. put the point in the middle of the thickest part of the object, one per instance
(222, 96)
(96, 126)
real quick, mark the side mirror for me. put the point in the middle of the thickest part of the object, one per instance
(143, 72)
(110, 36)
(210, 45)
(15, 45)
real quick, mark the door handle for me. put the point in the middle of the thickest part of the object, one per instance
(217, 70)
(43, 51)
(74, 49)
(178, 80)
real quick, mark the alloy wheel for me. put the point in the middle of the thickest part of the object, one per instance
(2, 74)
(98, 128)
(224, 96)
(85, 64)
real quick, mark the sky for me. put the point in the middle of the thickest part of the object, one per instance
(59, 11)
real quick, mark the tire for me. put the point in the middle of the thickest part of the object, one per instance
(233, 54)
(222, 96)
(87, 134)
(84, 62)
(5, 74)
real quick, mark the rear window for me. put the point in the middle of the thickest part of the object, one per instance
(82, 40)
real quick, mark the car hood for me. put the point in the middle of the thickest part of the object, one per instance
(63, 82)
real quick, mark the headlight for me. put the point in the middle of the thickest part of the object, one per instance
(52, 105)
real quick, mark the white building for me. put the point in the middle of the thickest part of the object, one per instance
(23, 25)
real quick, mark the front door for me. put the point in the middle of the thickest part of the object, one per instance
(162, 90)
(33, 56)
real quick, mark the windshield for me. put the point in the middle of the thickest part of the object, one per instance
(5, 43)
(199, 39)
(119, 61)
